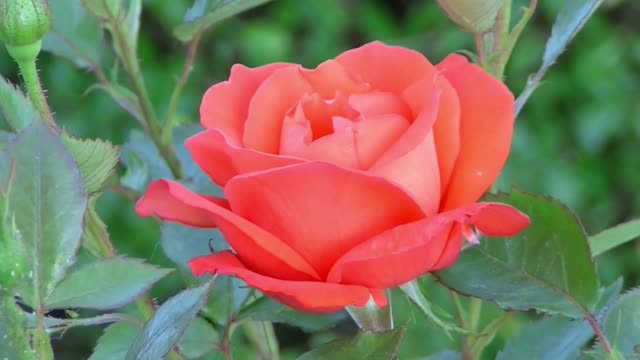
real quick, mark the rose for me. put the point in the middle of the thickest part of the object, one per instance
(357, 176)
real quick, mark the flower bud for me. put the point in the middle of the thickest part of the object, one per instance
(473, 15)
(23, 22)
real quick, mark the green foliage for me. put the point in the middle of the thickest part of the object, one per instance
(15, 108)
(105, 284)
(75, 35)
(115, 341)
(162, 332)
(47, 202)
(622, 323)
(547, 266)
(615, 236)
(365, 345)
(265, 309)
(206, 13)
(199, 339)
(555, 337)
(96, 160)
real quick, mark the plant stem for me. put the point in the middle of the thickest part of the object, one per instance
(41, 340)
(598, 331)
(132, 67)
(12, 317)
(263, 336)
(192, 49)
(32, 83)
(461, 316)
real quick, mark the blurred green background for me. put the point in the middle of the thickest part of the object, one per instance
(578, 138)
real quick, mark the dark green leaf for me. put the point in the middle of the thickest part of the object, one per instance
(105, 284)
(47, 201)
(547, 266)
(15, 108)
(366, 345)
(115, 341)
(75, 35)
(206, 13)
(622, 325)
(96, 160)
(166, 327)
(557, 338)
(137, 175)
(265, 309)
(199, 339)
(615, 236)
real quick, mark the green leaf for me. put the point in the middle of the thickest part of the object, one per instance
(557, 338)
(206, 13)
(137, 175)
(96, 160)
(115, 341)
(365, 345)
(414, 292)
(622, 325)
(133, 22)
(181, 244)
(47, 201)
(615, 236)
(445, 355)
(95, 237)
(104, 9)
(265, 309)
(166, 327)
(105, 284)
(547, 266)
(15, 108)
(74, 35)
(571, 19)
(199, 339)
(7, 349)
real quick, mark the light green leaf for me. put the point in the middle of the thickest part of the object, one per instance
(74, 35)
(115, 341)
(47, 201)
(6, 347)
(95, 237)
(547, 266)
(557, 338)
(571, 19)
(199, 339)
(166, 327)
(105, 284)
(206, 13)
(133, 22)
(365, 345)
(615, 236)
(265, 309)
(15, 108)
(96, 160)
(622, 325)
(445, 355)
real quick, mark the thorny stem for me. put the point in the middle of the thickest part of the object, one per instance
(598, 331)
(32, 83)
(177, 91)
(132, 67)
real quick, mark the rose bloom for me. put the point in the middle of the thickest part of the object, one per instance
(348, 179)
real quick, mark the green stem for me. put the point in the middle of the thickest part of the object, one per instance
(263, 336)
(13, 320)
(167, 132)
(41, 340)
(475, 309)
(132, 67)
(489, 333)
(26, 56)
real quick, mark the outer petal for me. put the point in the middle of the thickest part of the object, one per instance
(386, 68)
(258, 249)
(225, 105)
(221, 160)
(403, 253)
(486, 129)
(412, 162)
(319, 209)
(302, 295)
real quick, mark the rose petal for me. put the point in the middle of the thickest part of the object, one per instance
(221, 160)
(330, 78)
(225, 105)
(380, 103)
(446, 129)
(320, 209)
(408, 251)
(386, 68)
(412, 162)
(486, 129)
(356, 144)
(259, 250)
(301, 295)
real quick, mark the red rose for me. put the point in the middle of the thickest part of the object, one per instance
(341, 181)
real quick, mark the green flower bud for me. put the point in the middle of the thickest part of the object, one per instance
(24, 22)
(473, 15)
